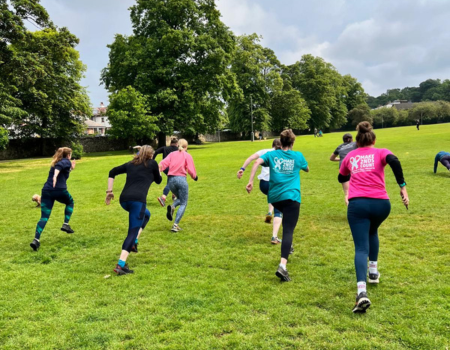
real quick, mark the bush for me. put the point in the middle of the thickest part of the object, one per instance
(77, 150)
(3, 138)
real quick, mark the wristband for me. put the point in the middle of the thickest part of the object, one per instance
(109, 191)
(243, 169)
(402, 185)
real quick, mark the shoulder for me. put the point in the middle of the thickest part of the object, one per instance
(352, 153)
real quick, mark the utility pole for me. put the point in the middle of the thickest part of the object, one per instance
(251, 113)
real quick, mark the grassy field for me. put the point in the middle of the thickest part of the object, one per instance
(213, 285)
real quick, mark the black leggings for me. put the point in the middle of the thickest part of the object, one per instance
(446, 162)
(291, 212)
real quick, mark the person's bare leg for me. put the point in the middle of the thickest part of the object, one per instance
(276, 226)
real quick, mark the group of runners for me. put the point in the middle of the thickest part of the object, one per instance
(361, 174)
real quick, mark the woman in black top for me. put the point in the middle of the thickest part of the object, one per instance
(141, 172)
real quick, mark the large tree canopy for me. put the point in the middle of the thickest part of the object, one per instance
(179, 57)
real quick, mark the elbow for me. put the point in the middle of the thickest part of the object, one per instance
(343, 178)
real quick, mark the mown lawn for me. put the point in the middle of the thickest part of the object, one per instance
(213, 285)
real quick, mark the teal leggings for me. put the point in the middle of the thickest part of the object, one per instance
(48, 198)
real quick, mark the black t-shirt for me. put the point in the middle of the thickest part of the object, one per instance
(165, 151)
(64, 167)
(344, 149)
(139, 179)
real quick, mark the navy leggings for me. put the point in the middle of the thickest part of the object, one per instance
(446, 162)
(291, 212)
(264, 188)
(364, 216)
(138, 218)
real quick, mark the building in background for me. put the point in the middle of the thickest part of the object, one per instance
(98, 124)
(398, 104)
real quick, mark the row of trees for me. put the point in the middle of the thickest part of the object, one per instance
(430, 112)
(40, 73)
(192, 74)
(428, 90)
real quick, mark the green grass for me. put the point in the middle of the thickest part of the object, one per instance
(212, 286)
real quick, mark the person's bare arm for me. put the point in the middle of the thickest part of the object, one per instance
(109, 191)
(334, 158)
(55, 177)
(256, 164)
(246, 163)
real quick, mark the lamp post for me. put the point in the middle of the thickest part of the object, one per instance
(251, 113)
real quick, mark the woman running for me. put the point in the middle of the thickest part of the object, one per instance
(55, 189)
(180, 163)
(141, 172)
(368, 204)
(264, 179)
(284, 190)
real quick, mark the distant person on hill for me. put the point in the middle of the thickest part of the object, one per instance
(320, 133)
(341, 152)
(368, 204)
(180, 164)
(418, 124)
(264, 179)
(315, 132)
(141, 172)
(55, 189)
(444, 158)
(284, 190)
(165, 151)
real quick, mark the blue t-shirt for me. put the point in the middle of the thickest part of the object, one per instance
(285, 169)
(63, 166)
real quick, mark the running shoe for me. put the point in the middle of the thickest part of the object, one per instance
(291, 251)
(175, 228)
(268, 219)
(162, 201)
(275, 240)
(134, 248)
(362, 303)
(35, 245)
(282, 274)
(67, 228)
(122, 270)
(170, 210)
(374, 277)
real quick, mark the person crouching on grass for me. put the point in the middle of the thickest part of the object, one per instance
(141, 172)
(180, 163)
(368, 204)
(284, 190)
(55, 189)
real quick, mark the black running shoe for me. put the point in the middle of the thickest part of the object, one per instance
(122, 270)
(362, 303)
(134, 248)
(374, 277)
(35, 245)
(67, 228)
(169, 213)
(282, 274)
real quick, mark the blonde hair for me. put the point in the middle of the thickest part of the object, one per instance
(145, 153)
(182, 145)
(61, 153)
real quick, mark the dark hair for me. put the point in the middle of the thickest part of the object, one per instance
(365, 137)
(174, 141)
(287, 138)
(276, 144)
(347, 137)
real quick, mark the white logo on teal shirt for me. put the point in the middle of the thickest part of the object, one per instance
(283, 166)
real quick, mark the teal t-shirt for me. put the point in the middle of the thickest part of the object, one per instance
(285, 169)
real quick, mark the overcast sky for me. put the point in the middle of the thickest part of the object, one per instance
(383, 43)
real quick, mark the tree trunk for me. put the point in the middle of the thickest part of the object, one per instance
(161, 139)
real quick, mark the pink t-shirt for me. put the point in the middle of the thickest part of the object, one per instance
(366, 166)
(179, 164)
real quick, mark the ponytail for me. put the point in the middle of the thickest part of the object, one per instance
(365, 137)
(182, 145)
(61, 153)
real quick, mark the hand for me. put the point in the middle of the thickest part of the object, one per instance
(73, 164)
(346, 199)
(249, 187)
(54, 181)
(405, 198)
(240, 173)
(109, 197)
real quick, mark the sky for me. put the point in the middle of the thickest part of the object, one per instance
(383, 43)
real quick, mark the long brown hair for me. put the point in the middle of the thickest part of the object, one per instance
(365, 137)
(61, 153)
(145, 153)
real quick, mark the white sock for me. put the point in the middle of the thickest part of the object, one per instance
(283, 266)
(361, 287)
(373, 267)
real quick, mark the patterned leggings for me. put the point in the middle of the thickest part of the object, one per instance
(47, 200)
(179, 186)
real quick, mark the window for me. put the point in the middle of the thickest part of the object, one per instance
(103, 120)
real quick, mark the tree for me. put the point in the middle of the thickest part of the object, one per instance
(258, 76)
(39, 76)
(178, 57)
(384, 117)
(442, 111)
(354, 92)
(423, 111)
(359, 114)
(322, 88)
(130, 117)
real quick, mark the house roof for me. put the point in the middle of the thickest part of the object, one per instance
(92, 124)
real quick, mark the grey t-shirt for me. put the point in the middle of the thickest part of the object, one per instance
(343, 150)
